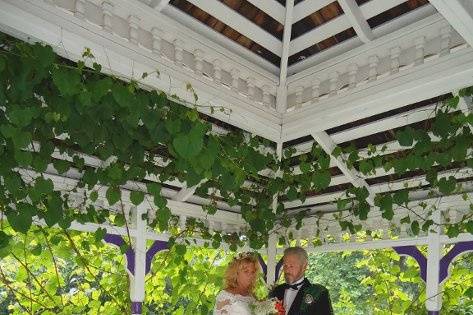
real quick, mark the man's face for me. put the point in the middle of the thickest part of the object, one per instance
(294, 268)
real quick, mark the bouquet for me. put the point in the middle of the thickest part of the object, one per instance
(268, 307)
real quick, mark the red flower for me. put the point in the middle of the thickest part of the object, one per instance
(280, 308)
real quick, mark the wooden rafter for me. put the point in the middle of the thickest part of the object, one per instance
(357, 20)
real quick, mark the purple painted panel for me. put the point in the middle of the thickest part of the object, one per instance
(136, 307)
(433, 313)
(118, 241)
(156, 247)
(415, 253)
(278, 270)
(446, 260)
(264, 267)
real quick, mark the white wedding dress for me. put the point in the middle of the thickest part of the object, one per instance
(232, 304)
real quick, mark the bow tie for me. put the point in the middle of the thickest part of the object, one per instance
(294, 286)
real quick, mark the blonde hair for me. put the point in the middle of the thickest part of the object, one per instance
(231, 274)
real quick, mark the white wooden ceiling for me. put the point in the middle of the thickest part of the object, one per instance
(367, 80)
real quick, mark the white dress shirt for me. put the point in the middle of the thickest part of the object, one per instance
(290, 295)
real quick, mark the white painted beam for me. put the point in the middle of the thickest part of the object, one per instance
(318, 34)
(354, 46)
(459, 13)
(368, 245)
(391, 122)
(327, 144)
(272, 8)
(68, 36)
(240, 24)
(161, 5)
(281, 97)
(186, 192)
(375, 7)
(220, 40)
(422, 82)
(358, 21)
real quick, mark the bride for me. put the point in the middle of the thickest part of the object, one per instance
(240, 279)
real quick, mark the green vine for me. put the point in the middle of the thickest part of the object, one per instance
(51, 106)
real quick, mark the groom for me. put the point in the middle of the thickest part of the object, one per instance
(298, 294)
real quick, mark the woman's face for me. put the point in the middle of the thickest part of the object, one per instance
(246, 275)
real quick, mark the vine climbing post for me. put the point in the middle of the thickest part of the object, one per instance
(434, 254)
(137, 278)
(272, 239)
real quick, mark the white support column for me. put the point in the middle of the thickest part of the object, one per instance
(273, 238)
(328, 145)
(137, 280)
(281, 93)
(434, 254)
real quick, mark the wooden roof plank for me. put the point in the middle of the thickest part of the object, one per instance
(272, 8)
(240, 24)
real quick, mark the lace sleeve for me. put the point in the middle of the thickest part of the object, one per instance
(223, 304)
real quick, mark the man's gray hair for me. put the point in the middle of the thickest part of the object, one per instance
(297, 251)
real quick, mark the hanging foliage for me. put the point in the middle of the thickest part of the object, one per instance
(51, 108)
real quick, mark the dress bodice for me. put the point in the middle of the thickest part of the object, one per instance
(232, 304)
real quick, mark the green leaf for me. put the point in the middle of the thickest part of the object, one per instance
(336, 152)
(54, 209)
(100, 88)
(36, 251)
(68, 81)
(113, 195)
(386, 207)
(137, 197)
(100, 234)
(94, 196)
(24, 158)
(44, 186)
(469, 226)
(469, 292)
(122, 95)
(163, 216)
(401, 197)
(405, 137)
(453, 230)
(415, 227)
(20, 221)
(61, 166)
(321, 179)
(4, 243)
(154, 189)
(292, 193)
(189, 145)
(2, 64)
(180, 249)
(22, 117)
(447, 186)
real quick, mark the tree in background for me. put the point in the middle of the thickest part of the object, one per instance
(381, 282)
(52, 271)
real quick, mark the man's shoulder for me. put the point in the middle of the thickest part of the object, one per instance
(315, 288)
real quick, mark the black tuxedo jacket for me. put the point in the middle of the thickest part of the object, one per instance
(302, 304)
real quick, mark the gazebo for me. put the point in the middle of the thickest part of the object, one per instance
(303, 76)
